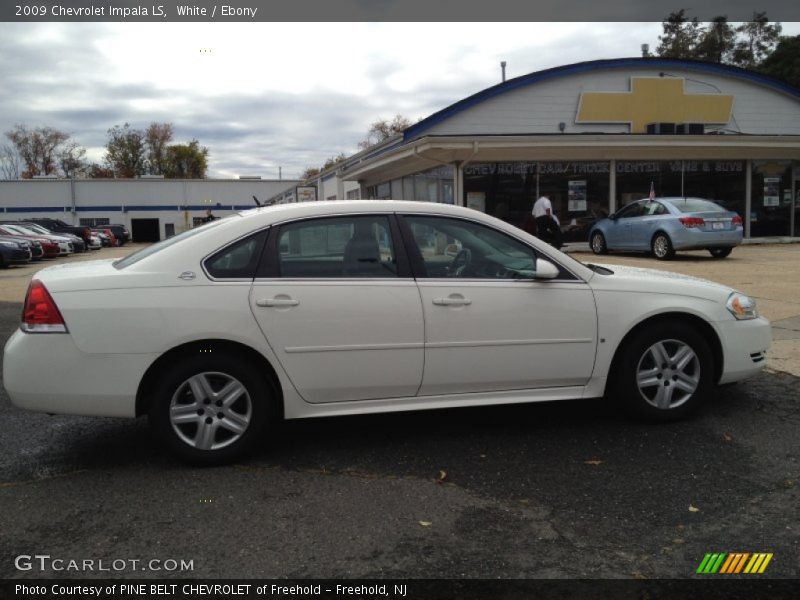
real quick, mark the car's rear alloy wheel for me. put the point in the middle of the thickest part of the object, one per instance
(720, 252)
(599, 243)
(662, 247)
(664, 371)
(210, 409)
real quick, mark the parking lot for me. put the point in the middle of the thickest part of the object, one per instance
(565, 490)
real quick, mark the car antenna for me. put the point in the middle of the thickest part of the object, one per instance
(256, 199)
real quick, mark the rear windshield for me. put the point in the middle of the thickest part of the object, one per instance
(159, 246)
(688, 205)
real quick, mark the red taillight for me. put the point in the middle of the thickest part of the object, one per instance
(692, 221)
(40, 313)
(737, 220)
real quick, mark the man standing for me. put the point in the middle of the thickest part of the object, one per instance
(546, 224)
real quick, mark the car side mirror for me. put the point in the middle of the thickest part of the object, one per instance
(545, 269)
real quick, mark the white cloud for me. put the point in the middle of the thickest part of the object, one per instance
(263, 94)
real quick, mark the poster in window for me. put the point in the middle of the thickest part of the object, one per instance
(576, 195)
(772, 191)
(306, 193)
(476, 201)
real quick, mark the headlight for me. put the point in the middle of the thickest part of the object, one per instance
(741, 306)
(9, 244)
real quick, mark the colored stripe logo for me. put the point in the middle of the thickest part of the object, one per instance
(734, 563)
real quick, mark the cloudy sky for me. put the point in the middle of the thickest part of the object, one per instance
(263, 95)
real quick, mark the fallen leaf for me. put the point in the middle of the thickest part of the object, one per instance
(593, 461)
(426, 523)
(727, 436)
(442, 476)
(693, 508)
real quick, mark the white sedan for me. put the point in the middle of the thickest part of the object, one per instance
(335, 308)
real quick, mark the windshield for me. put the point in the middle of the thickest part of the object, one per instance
(689, 205)
(159, 246)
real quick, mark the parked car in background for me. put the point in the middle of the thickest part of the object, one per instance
(111, 239)
(105, 241)
(14, 251)
(78, 243)
(663, 225)
(121, 233)
(58, 226)
(94, 242)
(50, 247)
(63, 244)
(338, 308)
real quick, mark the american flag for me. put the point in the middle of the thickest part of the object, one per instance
(652, 191)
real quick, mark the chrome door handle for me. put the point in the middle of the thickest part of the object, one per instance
(452, 301)
(277, 302)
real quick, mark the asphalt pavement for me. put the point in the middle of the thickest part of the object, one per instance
(564, 490)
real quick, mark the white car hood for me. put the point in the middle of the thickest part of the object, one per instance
(636, 279)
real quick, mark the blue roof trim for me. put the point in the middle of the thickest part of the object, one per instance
(97, 208)
(417, 130)
(32, 209)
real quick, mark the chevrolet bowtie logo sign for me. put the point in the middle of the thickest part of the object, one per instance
(654, 100)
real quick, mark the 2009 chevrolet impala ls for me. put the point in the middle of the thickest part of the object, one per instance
(334, 308)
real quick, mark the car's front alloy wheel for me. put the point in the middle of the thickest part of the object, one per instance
(664, 371)
(210, 409)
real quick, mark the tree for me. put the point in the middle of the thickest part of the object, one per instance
(186, 161)
(95, 171)
(38, 148)
(125, 151)
(383, 129)
(309, 173)
(157, 136)
(333, 161)
(784, 62)
(72, 159)
(717, 41)
(680, 36)
(759, 38)
(9, 162)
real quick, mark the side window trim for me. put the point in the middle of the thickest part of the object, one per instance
(418, 264)
(269, 266)
(261, 232)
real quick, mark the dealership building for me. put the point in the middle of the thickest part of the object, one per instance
(594, 136)
(152, 208)
(591, 136)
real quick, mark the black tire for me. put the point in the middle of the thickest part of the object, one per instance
(251, 411)
(665, 392)
(661, 246)
(720, 252)
(597, 242)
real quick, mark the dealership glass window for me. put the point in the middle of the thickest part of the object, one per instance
(504, 190)
(578, 191)
(337, 247)
(772, 202)
(382, 191)
(430, 185)
(721, 181)
(635, 177)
